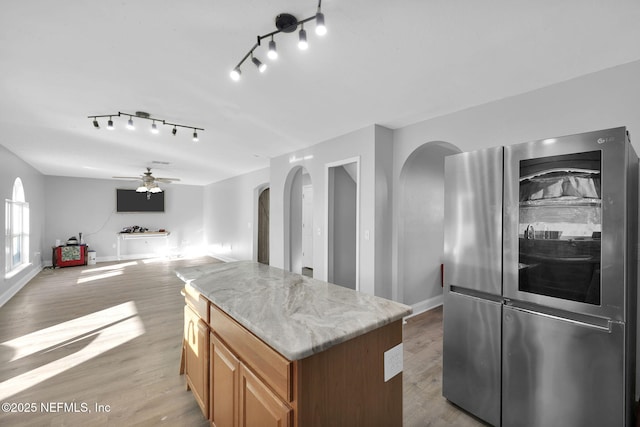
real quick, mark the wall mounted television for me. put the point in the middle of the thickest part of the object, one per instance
(132, 201)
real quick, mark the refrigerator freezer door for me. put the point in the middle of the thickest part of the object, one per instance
(473, 221)
(558, 372)
(471, 355)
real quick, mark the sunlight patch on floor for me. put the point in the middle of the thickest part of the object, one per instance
(99, 277)
(109, 329)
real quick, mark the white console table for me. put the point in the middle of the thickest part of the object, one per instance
(146, 235)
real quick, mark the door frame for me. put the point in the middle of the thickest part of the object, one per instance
(327, 233)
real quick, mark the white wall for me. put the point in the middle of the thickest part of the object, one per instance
(601, 100)
(230, 215)
(12, 167)
(360, 143)
(605, 99)
(88, 206)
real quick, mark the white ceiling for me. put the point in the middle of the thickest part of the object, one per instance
(389, 63)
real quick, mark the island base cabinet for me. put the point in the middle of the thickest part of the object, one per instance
(259, 406)
(345, 385)
(238, 396)
(225, 383)
(196, 348)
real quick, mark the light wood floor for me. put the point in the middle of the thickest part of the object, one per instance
(100, 345)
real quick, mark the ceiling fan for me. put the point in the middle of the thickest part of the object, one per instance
(149, 182)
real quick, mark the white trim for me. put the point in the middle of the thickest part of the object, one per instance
(426, 305)
(9, 293)
(355, 160)
(221, 257)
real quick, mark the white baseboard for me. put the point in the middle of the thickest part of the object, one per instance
(221, 257)
(9, 293)
(426, 305)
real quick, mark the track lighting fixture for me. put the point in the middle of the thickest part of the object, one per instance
(321, 30)
(146, 116)
(261, 66)
(302, 40)
(235, 74)
(285, 23)
(273, 53)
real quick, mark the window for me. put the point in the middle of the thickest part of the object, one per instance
(16, 229)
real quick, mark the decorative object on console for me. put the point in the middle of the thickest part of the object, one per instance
(285, 23)
(142, 115)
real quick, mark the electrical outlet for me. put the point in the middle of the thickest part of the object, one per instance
(393, 363)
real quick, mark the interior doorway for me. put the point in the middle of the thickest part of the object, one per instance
(343, 213)
(263, 226)
(307, 230)
(421, 225)
(295, 241)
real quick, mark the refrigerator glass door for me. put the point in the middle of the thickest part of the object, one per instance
(564, 223)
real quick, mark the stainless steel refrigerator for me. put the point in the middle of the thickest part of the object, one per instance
(540, 281)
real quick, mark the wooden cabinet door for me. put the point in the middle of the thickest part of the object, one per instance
(225, 380)
(259, 406)
(196, 335)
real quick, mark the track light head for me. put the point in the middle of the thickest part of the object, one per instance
(95, 123)
(302, 39)
(235, 74)
(273, 53)
(174, 130)
(154, 128)
(130, 124)
(195, 136)
(321, 30)
(259, 64)
(110, 124)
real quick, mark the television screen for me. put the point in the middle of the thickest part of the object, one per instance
(132, 201)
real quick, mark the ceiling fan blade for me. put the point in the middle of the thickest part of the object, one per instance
(127, 177)
(168, 180)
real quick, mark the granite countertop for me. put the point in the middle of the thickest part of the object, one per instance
(296, 315)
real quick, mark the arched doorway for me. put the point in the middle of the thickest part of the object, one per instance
(421, 225)
(297, 214)
(263, 226)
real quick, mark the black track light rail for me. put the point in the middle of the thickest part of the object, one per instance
(273, 33)
(142, 115)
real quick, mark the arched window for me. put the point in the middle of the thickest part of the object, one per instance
(16, 229)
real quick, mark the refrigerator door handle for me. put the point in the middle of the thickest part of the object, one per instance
(603, 325)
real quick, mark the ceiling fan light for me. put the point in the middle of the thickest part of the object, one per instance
(302, 40)
(141, 189)
(155, 190)
(273, 53)
(130, 124)
(235, 74)
(321, 30)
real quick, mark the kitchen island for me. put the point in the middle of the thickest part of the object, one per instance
(263, 346)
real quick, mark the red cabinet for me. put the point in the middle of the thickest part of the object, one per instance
(70, 255)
